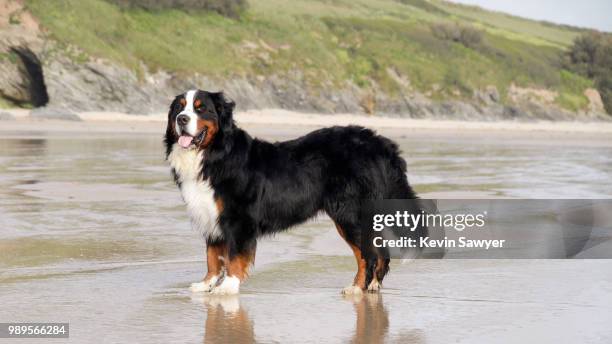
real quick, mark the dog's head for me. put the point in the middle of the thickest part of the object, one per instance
(197, 117)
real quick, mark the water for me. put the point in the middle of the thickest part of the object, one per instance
(93, 232)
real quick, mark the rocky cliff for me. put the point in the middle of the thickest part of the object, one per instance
(37, 71)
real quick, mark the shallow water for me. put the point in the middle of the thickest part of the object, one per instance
(93, 232)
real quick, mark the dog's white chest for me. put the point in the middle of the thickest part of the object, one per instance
(197, 193)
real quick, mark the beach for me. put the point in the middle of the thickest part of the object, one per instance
(94, 233)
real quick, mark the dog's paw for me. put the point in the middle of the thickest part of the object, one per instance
(229, 286)
(204, 286)
(230, 304)
(352, 290)
(374, 286)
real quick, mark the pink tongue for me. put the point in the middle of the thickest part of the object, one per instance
(185, 141)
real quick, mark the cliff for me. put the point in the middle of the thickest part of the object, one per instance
(420, 59)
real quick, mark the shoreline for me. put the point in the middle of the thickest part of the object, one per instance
(283, 124)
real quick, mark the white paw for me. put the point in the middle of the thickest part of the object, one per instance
(352, 290)
(374, 286)
(204, 286)
(229, 303)
(229, 286)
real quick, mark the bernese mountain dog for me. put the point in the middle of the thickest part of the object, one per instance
(238, 188)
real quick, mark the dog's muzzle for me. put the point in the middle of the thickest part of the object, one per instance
(187, 141)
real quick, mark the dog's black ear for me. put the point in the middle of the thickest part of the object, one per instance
(225, 110)
(171, 135)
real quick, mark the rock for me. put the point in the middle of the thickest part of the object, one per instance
(595, 103)
(488, 96)
(544, 96)
(398, 78)
(493, 93)
(511, 112)
(12, 83)
(20, 47)
(96, 85)
(22, 80)
(100, 85)
(5, 116)
(54, 113)
(368, 103)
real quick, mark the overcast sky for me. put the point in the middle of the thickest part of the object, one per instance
(595, 14)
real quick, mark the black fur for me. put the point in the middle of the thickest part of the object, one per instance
(269, 187)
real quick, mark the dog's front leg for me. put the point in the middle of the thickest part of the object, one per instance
(216, 251)
(237, 270)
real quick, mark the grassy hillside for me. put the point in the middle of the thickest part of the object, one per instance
(329, 41)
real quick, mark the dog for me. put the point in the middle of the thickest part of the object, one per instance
(238, 188)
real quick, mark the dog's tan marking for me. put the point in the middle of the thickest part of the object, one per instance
(215, 254)
(220, 205)
(211, 130)
(360, 277)
(239, 265)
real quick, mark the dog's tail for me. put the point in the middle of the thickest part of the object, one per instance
(415, 205)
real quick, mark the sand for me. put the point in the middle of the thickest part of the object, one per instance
(120, 122)
(95, 234)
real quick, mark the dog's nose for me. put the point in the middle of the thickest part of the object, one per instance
(182, 119)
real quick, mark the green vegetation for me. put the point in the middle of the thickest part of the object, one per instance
(468, 36)
(14, 18)
(11, 56)
(228, 8)
(444, 50)
(5, 104)
(535, 32)
(571, 91)
(591, 56)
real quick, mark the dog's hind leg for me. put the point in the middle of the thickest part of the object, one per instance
(379, 271)
(360, 280)
(370, 271)
(216, 251)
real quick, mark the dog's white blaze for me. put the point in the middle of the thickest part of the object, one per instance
(229, 286)
(192, 127)
(197, 193)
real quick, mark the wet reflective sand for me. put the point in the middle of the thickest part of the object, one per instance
(93, 232)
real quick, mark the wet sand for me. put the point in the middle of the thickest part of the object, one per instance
(94, 233)
(290, 120)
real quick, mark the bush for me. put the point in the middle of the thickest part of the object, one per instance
(582, 55)
(228, 8)
(468, 36)
(591, 56)
(604, 85)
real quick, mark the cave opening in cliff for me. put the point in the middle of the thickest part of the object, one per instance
(33, 73)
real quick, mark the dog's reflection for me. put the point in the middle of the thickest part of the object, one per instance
(372, 319)
(228, 322)
(372, 322)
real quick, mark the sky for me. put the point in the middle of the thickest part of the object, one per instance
(596, 14)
